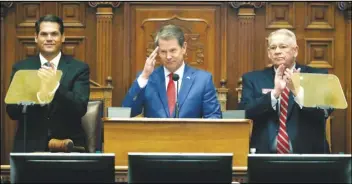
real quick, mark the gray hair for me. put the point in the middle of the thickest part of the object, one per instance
(285, 32)
(169, 32)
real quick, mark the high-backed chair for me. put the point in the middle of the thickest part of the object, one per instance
(92, 125)
(99, 100)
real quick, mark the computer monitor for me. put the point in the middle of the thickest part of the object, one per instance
(62, 167)
(119, 112)
(299, 168)
(180, 167)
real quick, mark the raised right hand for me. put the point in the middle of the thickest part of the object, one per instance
(149, 64)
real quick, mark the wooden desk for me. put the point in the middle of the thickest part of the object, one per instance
(123, 135)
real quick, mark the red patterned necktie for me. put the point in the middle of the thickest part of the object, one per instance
(282, 138)
(171, 94)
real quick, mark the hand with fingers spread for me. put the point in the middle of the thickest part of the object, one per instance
(280, 81)
(289, 83)
(149, 64)
(47, 76)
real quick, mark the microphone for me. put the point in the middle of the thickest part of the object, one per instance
(176, 77)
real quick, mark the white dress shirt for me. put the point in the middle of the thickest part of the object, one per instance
(180, 71)
(55, 63)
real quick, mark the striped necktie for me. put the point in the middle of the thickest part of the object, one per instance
(282, 138)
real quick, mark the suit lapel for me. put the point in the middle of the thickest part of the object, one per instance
(270, 74)
(63, 66)
(36, 63)
(187, 82)
(272, 124)
(160, 83)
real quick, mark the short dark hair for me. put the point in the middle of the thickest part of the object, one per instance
(170, 32)
(49, 18)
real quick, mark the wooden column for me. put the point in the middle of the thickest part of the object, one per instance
(3, 8)
(246, 34)
(346, 8)
(104, 16)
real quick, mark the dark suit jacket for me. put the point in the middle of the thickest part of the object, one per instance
(305, 127)
(197, 96)
(62, 116)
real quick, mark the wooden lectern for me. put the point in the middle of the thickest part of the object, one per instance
(123, 135)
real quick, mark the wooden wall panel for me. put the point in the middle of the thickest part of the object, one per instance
(226, 38)
(280, 15)
(198, 23)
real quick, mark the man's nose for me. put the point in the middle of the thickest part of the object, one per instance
(277, 50)
(168, 56)
(49, 38)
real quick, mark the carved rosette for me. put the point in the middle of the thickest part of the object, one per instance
(346, 6)
(4, 7)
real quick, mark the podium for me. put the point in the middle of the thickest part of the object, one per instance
(320, 90)
(124, 135)
(24, 90)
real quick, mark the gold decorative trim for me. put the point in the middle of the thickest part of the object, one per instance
(246, 4)
(4, 7)
(95, 4)
(345, 6)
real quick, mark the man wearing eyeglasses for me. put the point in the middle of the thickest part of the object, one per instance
(281, 124)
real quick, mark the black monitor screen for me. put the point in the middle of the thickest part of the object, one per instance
(179, 168)
(62, 167)
(299, 168)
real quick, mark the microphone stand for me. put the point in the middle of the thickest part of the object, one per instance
(24, 112)
(176, 77)
(177, 107)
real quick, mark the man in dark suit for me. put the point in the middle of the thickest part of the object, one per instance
(154, 91)
(280, 122)
(61, 118)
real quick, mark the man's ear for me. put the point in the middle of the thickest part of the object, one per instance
(63, 38)
(184, 47)
(296, 51)
(35, 38)
(269, 56)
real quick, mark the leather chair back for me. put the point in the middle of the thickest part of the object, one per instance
(92, 125)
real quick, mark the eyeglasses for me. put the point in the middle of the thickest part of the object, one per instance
(281, 47)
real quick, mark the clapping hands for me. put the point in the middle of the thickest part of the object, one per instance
(283, 79)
